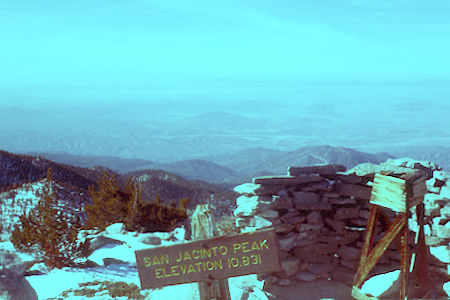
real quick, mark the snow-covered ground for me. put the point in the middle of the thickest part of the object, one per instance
(52, 283)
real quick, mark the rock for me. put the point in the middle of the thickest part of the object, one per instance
(305, 276)
(257, 294)
(321, 170)
(150, 239)
(442, 253)
(382, 285)
(306, 238)
(354, 190)
(349, 253)
(318, 187)
(117, 228)
(433, 241)
(431, 186)
(316, 249)
(286, 180)
(350, 264)
(100, 241)
(291, 215)
(112, 261)
(245, 222)
(247, 189)
(250, 205)
(346, 213)
(411, 163)
(308, 227)
(343, 274)
(290, 267)
(441, 175)
(442, 231)
(337, 225)
(343, 201)
(445, 211)
(446, 288)
(13, 284)
(269, 214)
(305, 197)
(284, 282)
(321, 268)
(261, 222)
(313, 206)
(364, 213)
(281, 202)
(445, 193)
(283, 228)
(348, 238)
(314, 218)
(350, 178)
(287, 243)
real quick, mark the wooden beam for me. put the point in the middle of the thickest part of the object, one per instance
(371, 226)
(378, 251)
(203, 227)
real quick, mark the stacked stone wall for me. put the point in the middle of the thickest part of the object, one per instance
(320, 215)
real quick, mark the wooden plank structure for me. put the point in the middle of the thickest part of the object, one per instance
(399, 191)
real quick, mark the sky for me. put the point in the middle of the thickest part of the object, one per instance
(201, 44)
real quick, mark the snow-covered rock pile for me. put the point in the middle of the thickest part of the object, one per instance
(320, 214)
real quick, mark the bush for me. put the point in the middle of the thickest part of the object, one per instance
(48, 231)
(113, 204)
(113, 289)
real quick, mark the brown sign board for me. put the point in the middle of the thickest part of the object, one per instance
(209, 259)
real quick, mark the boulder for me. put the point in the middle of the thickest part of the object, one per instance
(100, 241)
(112, 261)
(150, 239)
(117, 228)
(13, 284)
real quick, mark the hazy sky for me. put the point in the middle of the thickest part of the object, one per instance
(156, 43)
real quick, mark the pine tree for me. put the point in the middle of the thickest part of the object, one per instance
(49, 231)
(113, 204)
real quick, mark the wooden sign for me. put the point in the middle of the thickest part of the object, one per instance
(209, 259)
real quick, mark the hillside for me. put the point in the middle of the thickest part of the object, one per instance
(117, 164)
(260, 161)
(15, 169)
(197, 169)
(173, 187)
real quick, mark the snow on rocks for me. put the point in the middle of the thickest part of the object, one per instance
(382, 285)
(13, 284)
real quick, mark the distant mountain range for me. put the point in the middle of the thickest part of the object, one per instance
(231, 169)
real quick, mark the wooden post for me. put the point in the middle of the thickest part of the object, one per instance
(202, 226)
